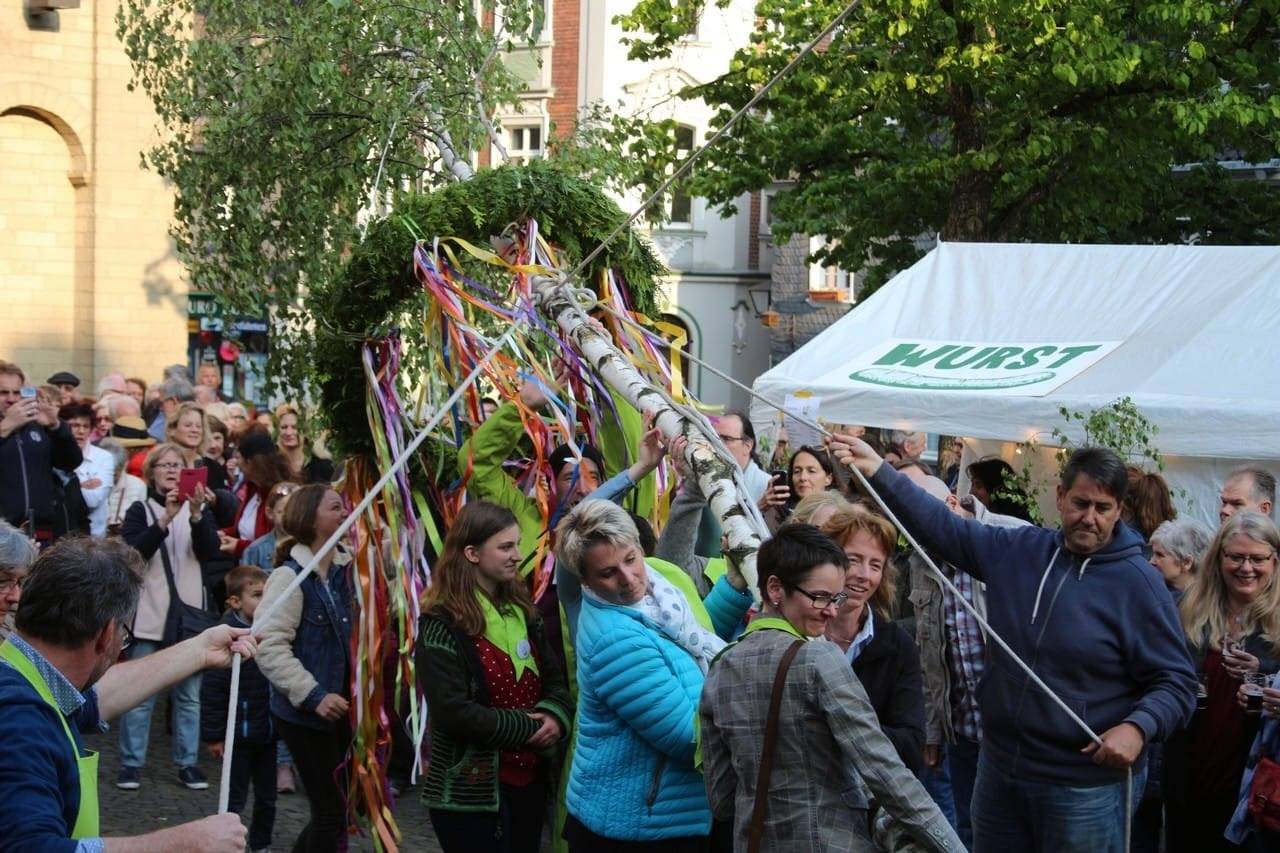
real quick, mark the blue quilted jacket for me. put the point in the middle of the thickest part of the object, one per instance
(633, 777)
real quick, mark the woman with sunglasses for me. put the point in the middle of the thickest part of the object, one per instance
(1231, 614)
(827, 748)
(177, 537)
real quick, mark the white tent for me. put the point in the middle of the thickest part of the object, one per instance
(989, 340)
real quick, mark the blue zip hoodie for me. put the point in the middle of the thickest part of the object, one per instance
(1101, 631)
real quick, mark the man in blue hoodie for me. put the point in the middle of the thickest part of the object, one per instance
(59, 679)
(1095, 623)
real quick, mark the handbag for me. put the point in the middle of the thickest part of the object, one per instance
(1264, 795)
(182, 621)
(766, 751)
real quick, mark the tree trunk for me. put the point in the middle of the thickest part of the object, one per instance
(718, 477)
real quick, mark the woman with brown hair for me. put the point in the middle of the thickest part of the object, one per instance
(497, 700)
(1147, 503)
(263, 466)
(882, 654)
(1231, 615)
(305, 653)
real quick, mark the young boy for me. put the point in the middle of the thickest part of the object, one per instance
(255, 749)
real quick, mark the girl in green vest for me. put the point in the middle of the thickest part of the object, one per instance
(497, 701)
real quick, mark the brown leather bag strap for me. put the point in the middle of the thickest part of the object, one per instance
(767, 750)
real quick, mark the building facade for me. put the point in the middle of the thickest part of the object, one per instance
(91, 282)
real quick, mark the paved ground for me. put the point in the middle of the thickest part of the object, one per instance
(162, 802)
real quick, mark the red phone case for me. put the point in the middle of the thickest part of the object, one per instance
(187, 480)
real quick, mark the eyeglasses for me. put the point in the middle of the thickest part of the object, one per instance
(7, 584)
(1252, 559)
(728, 438)
(167, 466)
(821, 600)
(126, 635)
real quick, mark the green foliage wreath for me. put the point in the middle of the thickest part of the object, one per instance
(378, 290)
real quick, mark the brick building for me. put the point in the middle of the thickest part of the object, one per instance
(90, 279)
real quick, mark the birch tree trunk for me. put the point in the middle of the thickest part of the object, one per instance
(718, 476)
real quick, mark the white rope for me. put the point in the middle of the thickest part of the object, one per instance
(265, 615)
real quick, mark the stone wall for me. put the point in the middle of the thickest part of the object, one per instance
(91, 282)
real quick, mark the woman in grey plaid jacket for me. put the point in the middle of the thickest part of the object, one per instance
(829, 749)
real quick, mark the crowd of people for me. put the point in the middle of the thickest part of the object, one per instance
(1005, 687)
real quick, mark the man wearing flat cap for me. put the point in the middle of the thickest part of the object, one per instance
(68, 383)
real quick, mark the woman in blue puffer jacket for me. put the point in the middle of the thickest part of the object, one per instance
(644, 644)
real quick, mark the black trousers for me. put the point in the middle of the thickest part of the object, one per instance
(516, 827)
(256, 763)
(318, 756)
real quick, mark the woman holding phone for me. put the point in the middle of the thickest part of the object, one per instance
(189, 430)
(176, 537)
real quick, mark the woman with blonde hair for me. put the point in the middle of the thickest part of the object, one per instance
(882, 654)
(308, 466)
(1231, 615)
(187, 429)
(496, 695)
(817, 507)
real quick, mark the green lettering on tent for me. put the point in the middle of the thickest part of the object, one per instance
(950, 363)
(1069, 353)
(997, 358)
(912, 355)
(1031, 357)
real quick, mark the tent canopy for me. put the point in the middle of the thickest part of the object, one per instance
(1190, 333)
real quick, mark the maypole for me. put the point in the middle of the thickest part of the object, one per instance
(718, 476)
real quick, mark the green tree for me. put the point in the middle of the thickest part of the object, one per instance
(1001, 120)
(283, 124)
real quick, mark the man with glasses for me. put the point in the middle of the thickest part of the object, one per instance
(59, 679)
(1093, 619)
(739, 437)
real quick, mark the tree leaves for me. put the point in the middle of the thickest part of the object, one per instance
(284, 124)
(1001, 120)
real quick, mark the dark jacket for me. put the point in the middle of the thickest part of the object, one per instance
(253, 712)
(39, 783)
(1101, 632)
(305, 651)
(27, 458)
(467, 732)
(889, 669)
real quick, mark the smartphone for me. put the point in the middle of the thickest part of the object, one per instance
(780, 477)
(187, 480)
(28, 392)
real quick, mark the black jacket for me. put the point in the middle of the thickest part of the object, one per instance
(253, 714)
(889, 669)
(27, 459)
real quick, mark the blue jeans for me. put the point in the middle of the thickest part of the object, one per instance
(937, 781)
(962, 760)
(135, 725)
(1011, 814)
